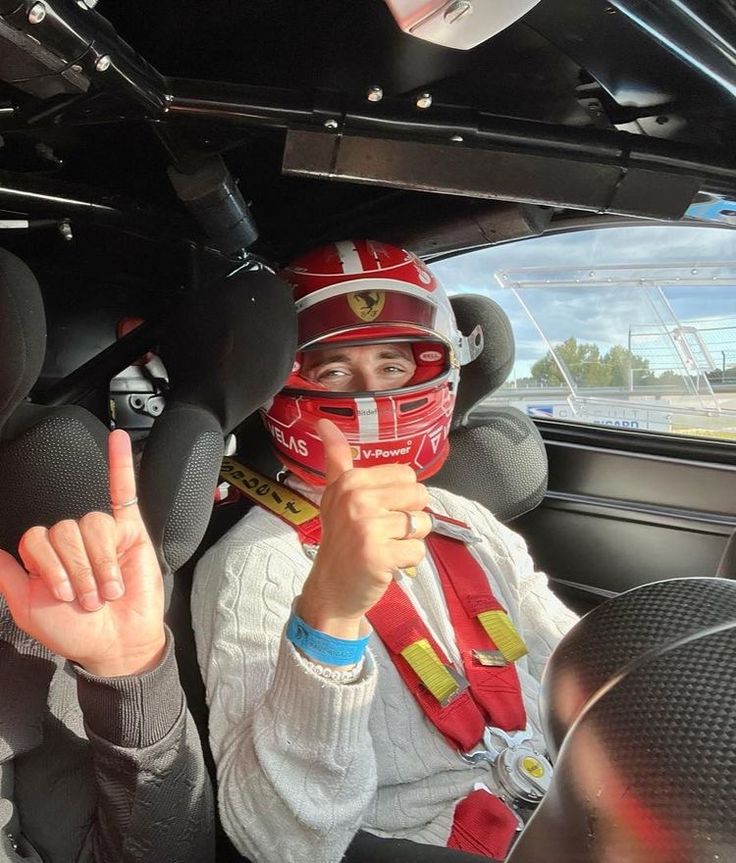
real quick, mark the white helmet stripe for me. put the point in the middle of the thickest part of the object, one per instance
(367, 411)
(395, 412)
(349, 258)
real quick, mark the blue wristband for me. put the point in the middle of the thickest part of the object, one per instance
(323, 648)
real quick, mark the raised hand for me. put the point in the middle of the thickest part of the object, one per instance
(364, 537)
(91, 590)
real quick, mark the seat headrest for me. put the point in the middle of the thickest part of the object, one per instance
(492, 366)
(216, 351)
(22, 333)
(228, 351)
(499, 461)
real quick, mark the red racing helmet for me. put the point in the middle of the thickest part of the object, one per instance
(363, 292)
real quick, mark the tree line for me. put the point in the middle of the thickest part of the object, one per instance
(617, 367)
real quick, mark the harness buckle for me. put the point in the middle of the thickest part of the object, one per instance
(453, 531)
(494, 742)
(310, 550)
(462, 685)
(522, 772)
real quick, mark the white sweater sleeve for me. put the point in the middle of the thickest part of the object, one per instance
(296, 766)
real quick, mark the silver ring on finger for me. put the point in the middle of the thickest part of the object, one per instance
(132, 502)
(412, 526)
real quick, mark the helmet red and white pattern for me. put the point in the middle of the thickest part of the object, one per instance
(363, 292)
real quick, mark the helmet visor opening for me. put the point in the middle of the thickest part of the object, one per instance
(301, 387)
(433, 360)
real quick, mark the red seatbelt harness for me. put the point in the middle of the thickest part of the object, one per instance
(461, 704)
(489, 693)
(458, 705)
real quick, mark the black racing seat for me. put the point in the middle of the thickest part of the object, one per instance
(200, 387)
(497, 457)
(222, 366)
(639, 699)
(227, 351)
(53, 460)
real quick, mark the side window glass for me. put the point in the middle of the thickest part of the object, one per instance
(632, 327)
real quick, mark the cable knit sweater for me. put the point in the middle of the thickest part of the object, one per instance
(303, 762)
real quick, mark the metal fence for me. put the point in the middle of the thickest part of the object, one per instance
(696, 348)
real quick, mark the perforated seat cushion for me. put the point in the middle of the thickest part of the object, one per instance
(502, 464)
(55, 469)
(177, 482)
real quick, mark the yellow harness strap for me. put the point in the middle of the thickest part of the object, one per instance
(288, 505)
(504, 635)
(430, 670)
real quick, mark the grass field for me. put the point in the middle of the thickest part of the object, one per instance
(720, 434)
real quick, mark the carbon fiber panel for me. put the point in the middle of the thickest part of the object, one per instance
(643, 697)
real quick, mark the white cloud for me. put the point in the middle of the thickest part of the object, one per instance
(601, 314)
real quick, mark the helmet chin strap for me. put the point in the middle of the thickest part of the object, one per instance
(312, 491)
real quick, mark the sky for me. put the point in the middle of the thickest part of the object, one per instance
(589, 285)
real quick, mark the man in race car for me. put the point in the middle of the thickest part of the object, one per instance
(374, 666)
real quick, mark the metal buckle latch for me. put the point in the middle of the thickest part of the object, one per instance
(310, 550)
(522, 772)
(496, 741)
(454, 531)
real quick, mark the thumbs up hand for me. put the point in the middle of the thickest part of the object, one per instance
(366, 537)
(91, 591)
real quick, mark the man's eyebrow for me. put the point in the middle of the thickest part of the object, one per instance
(390, 353)
(332, 358)
(393, 353)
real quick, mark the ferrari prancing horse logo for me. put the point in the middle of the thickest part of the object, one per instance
(367, 305)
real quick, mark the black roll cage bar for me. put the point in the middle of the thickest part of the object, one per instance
(449, 149)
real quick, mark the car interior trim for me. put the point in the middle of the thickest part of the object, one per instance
(637, 444)
(585, 588)
(674, 516)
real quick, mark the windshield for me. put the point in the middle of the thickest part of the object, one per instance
(633, 326)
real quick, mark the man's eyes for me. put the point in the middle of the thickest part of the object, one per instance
(332, 373)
